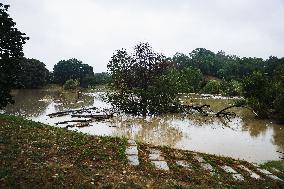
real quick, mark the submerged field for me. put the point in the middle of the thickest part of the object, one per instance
(34, 155)
(241, 137)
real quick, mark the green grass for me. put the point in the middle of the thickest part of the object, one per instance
(274, 164)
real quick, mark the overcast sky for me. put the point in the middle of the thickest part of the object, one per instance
(91, 30)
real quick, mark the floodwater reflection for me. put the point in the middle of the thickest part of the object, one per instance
(242, 137)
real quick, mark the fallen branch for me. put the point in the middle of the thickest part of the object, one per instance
(78, 125)
(225, 113)
(200, 109)
(78, 120)
(97, 117)
(62, 113)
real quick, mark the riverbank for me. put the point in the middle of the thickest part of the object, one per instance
(34, 155)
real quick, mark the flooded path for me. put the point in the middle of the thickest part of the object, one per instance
(243, 137)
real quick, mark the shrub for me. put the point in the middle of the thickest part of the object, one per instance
(71, 84)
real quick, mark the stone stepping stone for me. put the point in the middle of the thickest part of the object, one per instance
(269, 174)
(199, 158)
(274, 177)
(183, 164)
(252, 174)
(132, 153)
(238, 177)
(131, 150)
(133, 160)
(156, 155)
(204, 164)
(234, 173)
(263, 171)
(158, 160)
(131, 142)
(207, 167)
(229, 169)
(161, 165)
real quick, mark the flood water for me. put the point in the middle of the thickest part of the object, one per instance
(241, 137)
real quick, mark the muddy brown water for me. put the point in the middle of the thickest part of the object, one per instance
(242, 137)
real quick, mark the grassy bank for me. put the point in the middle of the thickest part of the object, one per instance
(33, 155)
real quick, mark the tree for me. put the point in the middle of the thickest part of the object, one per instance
(32, 74)
(278, 103)
(259, 90)
(183, 61)
(97, 79)
(102, 78)
(190, 80)
(205, 60)
(11, 49)
(71, 69)
(144, 82)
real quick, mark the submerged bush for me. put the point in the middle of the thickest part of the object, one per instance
(71, 84)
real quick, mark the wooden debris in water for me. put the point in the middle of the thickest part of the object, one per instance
(79, 125)
(200, 109)
(76, 120)
(62, 113)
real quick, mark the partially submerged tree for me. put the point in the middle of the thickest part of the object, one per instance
(259, 90)
(11, 49)
(265, 93)
(144, 81)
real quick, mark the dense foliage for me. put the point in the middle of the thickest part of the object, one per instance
(31, 74)
(265, 93)
(189, 80)
(71, 69)
(11, 49)
(227, 67)
(97, 79)
(147, 82)
(71, 84)
(144, 82)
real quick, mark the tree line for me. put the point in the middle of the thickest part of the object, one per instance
(33, 74)
(146, 81)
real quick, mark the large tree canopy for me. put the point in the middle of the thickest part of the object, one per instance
(11, 49)
(143, 81)
(31, 74)
(71, 69)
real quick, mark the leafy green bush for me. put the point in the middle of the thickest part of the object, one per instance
(212, 87)
(71, 84)
(231, 88)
